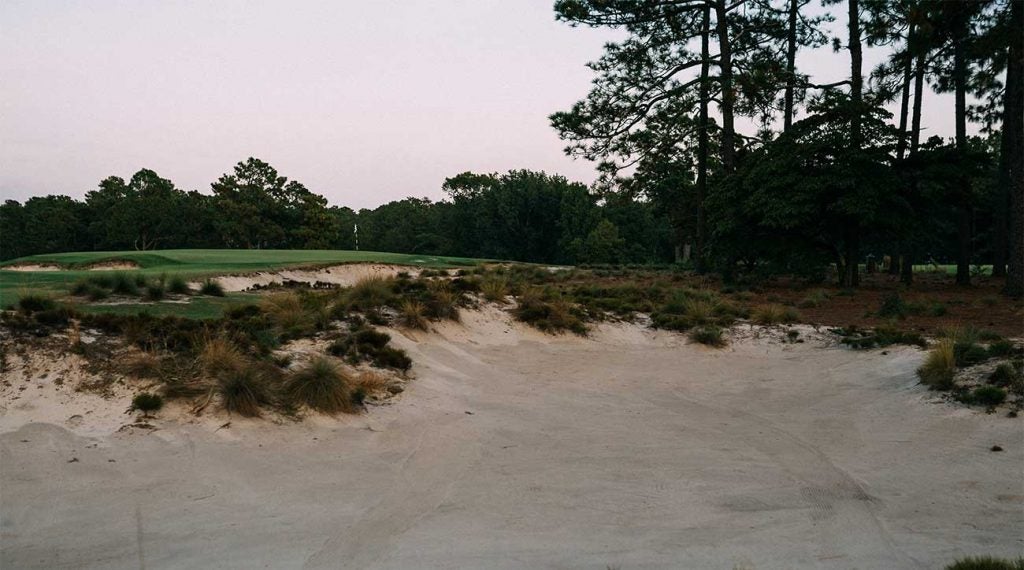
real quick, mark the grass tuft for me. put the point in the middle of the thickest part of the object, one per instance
(709, 335)
(211, 288)
(939, 366)
(147, 402)
(773, 314)
(413, 314)
(321, 385)
(986, 563)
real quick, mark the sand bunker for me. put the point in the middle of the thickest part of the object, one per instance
(344, 275)
(113, 266)
(513, 449)
(32, 267)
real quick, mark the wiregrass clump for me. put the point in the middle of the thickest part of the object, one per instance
(321, 385)
(243, 390)
(939, 366)
(773, 314)
(986, 563)
(495, 288)
(708, 335)
(413, 315)
(551, 315)
(211, 288)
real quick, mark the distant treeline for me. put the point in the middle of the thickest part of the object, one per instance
(521, 215)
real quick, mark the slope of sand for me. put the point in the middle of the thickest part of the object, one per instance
(512, 449)
(344, 275)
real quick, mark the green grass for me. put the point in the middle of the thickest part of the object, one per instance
(189, 264)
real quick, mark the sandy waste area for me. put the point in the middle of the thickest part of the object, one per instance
(511, 449)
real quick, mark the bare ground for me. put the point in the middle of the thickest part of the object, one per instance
(511, 449)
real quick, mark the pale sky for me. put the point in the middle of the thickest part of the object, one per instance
(364, 102)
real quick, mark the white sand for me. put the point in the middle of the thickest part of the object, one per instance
(32, 267)
(511, 449)
(344, 275)
(113, 266)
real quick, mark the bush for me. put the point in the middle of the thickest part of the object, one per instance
(147, 402)
(969, 354)
(124, 284)
(34, 302)
(154, 291)
(709, 335)
(287, 313)
(1003, 375)
(178, 286)
(211, 288)
(321, 385)
(56, 317)
(1001, 347)
(549, 316)
(413, 314)
(219, 356)
(893, 307)
(243, 389)
(986, 563)
(939, 366)
(988, 395)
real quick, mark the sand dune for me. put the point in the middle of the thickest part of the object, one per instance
(513, 449)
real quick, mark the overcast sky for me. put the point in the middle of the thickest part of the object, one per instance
(363, 102)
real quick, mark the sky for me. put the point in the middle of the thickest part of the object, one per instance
(363, 102)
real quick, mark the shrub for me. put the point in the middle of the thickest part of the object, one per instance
(1001, 347)
(211, 288)
(243, 389)
(969, 354)
(33, 302)
(413, 314)
(988, 395)
(939, 366)
(709, 335)
(155, 291)
(549, 316)
(371, 337)
(147, 402)
(55, 317)
(893, 307)
(986, 563)
(814, 299)
(390, 357)
(124, 284)
(1003, 375)
(321, 385)
(495, 288)
(178, 285)
(95, 293)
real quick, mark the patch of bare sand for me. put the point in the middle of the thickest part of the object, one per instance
(32, 267)
(113, 266)
(344, 275)
(512, 449)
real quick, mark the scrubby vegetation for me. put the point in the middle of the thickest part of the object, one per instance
(321, 385)
(939, 366)
(986, 563)
(147, 402)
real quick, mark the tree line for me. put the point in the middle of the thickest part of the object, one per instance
(825, 178)
(521, 215)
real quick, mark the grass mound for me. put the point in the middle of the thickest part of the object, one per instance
(211, 288)
(773, 314)
(549, 315)
(243, 390)
(322, 386)
(708, 335)
(939, 366)
(413, 314)
(147, 402)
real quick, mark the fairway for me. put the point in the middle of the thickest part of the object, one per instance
(190, 264)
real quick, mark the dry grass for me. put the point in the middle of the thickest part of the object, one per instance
(286, 311)
(370, 293)
(413, 314)
(243, 390)
(495, 288)
(220, 356)
(940, 365)
(444, 301)
(143, 365)
(773, 314)
(321, 385)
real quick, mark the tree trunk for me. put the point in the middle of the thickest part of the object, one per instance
(963, 219)
(702, 142)
(852, 237)
(901, 142)
(787, 120)
(915, 120)
(1000, 225)
(1013, 122)
(725, 79)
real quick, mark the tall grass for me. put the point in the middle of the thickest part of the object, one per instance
(321, 385)
(495, 288)
(370, 293)
(413, 314)
(939, 366)
(243, 390)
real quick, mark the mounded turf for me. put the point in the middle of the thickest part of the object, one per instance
(191, 264)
